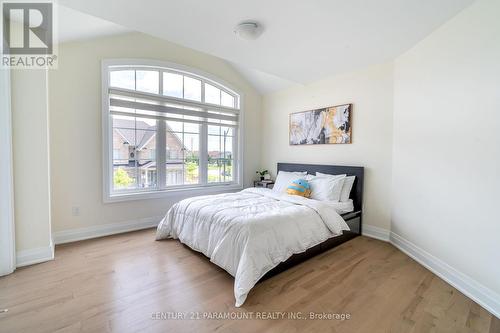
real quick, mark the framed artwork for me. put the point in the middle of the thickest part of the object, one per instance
(321, 126)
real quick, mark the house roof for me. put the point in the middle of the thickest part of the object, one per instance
(138, 133)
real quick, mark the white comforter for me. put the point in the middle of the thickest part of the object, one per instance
(250, 232)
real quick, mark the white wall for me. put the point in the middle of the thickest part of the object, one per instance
(75, 119)
(446, 184)
(371, 92)
(7, 226)
(31, 165)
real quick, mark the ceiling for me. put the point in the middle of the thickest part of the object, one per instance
(75, 25)
(303, 41)
(262, 81)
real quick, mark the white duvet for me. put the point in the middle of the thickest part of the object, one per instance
(250, 232)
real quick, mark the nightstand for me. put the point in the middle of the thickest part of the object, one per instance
(263, 183)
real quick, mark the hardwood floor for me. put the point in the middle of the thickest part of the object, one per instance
(119, 283)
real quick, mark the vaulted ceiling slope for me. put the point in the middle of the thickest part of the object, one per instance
(74, 25)
(303, 41)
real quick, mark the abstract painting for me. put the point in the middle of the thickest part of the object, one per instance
(321, 126)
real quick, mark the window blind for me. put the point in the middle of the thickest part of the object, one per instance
(138, 104)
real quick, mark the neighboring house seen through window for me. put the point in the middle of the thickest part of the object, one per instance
(167, 129)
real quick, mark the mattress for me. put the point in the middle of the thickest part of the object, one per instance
(343, 207)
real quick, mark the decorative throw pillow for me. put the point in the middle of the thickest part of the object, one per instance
(299, 187)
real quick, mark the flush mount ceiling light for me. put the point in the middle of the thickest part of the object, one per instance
(248, 30)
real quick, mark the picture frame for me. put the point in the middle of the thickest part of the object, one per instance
(329, 125)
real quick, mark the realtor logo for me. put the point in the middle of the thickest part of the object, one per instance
(28, 34)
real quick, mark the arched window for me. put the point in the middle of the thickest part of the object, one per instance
(167, 127)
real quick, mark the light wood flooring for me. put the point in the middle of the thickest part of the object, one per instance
(119, 283)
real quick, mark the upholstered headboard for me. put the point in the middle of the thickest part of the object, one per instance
(357, 189)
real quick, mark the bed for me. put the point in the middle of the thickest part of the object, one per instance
(257, 233)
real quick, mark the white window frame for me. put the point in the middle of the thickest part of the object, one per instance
(172, 191)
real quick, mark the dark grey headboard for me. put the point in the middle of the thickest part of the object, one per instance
(357, 189)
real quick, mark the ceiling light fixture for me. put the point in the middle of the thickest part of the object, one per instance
(248, 30)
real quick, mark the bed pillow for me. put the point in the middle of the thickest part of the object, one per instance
(326, 188)
(299, 187)
(284, 179)
(346, 187)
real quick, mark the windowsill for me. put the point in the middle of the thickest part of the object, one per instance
(171, 193)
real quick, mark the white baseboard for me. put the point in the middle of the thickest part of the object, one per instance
(376, 232)
(73, 235)
(35, 256)
(480, 294)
